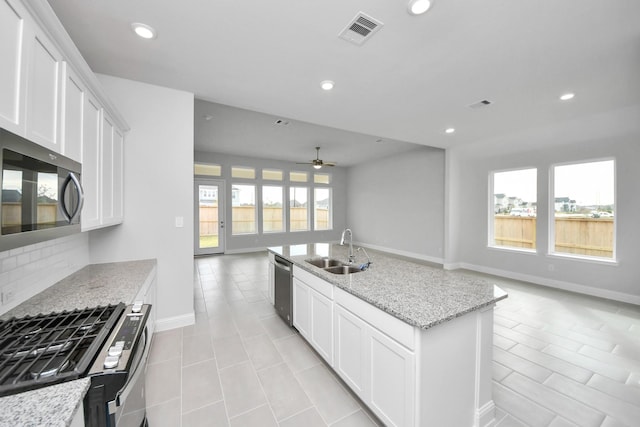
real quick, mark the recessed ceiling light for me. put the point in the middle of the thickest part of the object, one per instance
(567, 96)
(449, 130)
(327, 85)
(418, 7)
(144, 30)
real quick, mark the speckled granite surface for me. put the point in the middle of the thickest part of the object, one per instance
(44, 407)
(97, 284)
(414, 292)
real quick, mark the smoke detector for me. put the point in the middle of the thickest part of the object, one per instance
(360, 29)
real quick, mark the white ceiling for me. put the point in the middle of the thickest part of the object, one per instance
(409, 82)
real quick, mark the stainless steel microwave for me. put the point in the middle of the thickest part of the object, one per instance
(41, 193)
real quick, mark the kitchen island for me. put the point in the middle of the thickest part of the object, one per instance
(412, 340)
(97, 284)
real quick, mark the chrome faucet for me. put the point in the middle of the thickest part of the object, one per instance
(352, 257)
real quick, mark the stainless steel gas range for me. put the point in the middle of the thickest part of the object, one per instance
(108, 344)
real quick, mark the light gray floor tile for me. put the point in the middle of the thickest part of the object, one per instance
(552, 363)
(208, 416)
(520, 364)
(196, 348)
(285, 395)
(554, 401)
(263, 309)
(629, 351)
(500, 371)
(509, 421)
(612, 359)
(612, 422)
(241, 388)
(249, 326)
(166, 345)
(358, 419)
(262, 352)
(561, 422)
(520, 318)
(503, 321)
(614, 372)
(308, 418)
(592, 337)
(163, 381)
(259, 417)
(625, 392)
(166, 414)
(611, 406)
(276, 328)
(200, 385)
(549, 338)
(222, 327)
(519, 337)
(502, 342)
(328, 396)
(520, 407)
(296, 352)
(229, 351)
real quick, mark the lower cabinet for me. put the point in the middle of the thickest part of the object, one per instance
(351, 347)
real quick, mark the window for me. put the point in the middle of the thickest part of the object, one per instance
(272, 209)
(583, 205)
(298, 176)
(242, 172)
(513, 209)
(208, 170)
(298, 209)
(243, 209)
(321, 178)
(272, 174)
(322, 209)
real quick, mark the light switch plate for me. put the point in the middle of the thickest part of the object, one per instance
(179, 222)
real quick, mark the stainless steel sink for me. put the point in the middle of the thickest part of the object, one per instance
(324, 262)
(333, 266)
(343, 269)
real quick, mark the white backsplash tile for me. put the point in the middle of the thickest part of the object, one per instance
(29, 270)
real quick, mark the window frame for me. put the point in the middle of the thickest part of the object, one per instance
(306, 188)
(284, 209)
(330, 209)
(551, 250)
(255, 213)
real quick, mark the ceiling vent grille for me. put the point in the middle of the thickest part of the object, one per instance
(360, 29)
(479, 104)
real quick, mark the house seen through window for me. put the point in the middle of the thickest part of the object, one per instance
(514, 209)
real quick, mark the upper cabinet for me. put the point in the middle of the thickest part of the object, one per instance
(43, 91)
(13, 70)
(51, 97)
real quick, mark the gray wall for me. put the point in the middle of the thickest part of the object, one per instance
(397, 203)
(158, 170)
(614, 134)
(241, 243)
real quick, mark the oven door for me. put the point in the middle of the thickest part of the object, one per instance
(129, 407)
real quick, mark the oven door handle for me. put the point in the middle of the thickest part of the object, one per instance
(138, 368)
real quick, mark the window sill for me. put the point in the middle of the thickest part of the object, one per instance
(592, 260)
(513, 250)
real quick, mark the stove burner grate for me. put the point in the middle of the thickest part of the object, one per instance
(49, 348)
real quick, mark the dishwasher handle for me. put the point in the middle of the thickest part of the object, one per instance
(283, 265)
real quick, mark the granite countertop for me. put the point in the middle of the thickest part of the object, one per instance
(419, 294)
(96, 284)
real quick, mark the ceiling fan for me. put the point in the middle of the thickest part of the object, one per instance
(317, 163)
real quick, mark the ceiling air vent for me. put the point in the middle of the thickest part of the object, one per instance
(360, 29)
(479, 104)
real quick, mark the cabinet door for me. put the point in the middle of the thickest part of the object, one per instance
(106, 171)
(301, 309)
(43, 92)
(72, 112)
(91, 165)
(118, 176)
(12, 70)
(351, 361)
(322, 325)
(392, 381)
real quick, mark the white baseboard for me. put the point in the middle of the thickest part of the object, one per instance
(175, 322)
(407, 254)
(558, 284)
(486, 415)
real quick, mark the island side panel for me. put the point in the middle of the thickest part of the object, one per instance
(455, 376)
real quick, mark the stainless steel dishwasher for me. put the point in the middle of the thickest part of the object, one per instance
(283, 289)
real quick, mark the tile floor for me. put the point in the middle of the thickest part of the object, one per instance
(560, 359)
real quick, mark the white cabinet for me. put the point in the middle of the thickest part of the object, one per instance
(313, 312)
(92, 120)
(72, 114)
(351, 362)
(148, 295)
(111, 173)
(13, 66)
(43, 91)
